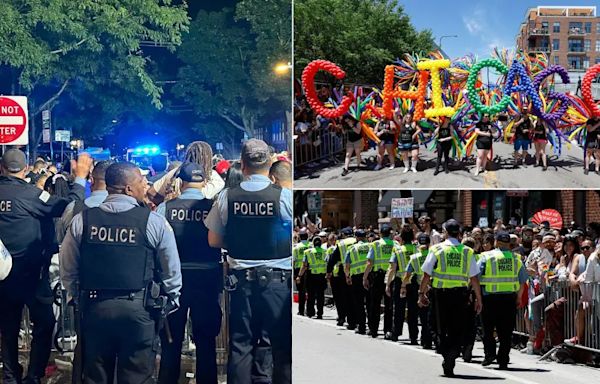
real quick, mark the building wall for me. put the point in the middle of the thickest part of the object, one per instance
(593, 206)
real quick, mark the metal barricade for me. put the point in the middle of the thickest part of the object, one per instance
(521, 324)
(315, 146)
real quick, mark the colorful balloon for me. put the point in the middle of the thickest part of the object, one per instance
(308, 82)
(586, 89)
(439, 109)
(561, 97)
(389, 94)
(472, 91)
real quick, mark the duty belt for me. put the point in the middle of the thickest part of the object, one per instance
(264, 275)
(113, 294)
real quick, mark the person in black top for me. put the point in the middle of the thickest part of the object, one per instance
(386, 131)
(592, 144)
(444, 143)
(540, 139)
(409, 141)
(354, 143)
(483, 130)
(522, 141)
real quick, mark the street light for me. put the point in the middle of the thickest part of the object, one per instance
(282, 68)
(441, 38)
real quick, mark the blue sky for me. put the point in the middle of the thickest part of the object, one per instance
(479, 24)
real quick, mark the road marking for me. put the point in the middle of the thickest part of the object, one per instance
(432, 353)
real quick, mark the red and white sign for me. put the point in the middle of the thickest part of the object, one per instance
(14, 126)
(551, 216)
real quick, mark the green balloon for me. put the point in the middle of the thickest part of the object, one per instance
(472, 92)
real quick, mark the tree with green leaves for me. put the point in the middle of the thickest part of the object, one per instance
(86, 52)
(361, 36)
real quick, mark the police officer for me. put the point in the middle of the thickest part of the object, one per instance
(355, 264)
(502, 279)
(23, 209)
(414, 276)
(378, 262)
(113, 259)
(342, 296)
(202, 274)
(450, 266)
(298, 253)
(253, 222)
(314, 260)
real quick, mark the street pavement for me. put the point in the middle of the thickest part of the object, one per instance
(326, 353)
(565, 171)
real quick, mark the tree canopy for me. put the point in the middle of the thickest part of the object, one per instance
(361, 36)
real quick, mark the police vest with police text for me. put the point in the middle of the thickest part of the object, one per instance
(186, 217)
(501, 271)
(315, 258)
(255, 230)
(298, 252)
(358, 258)
(115, 252)
(403, 253)
(417, 260)
(343, 246)
(382, 253)
(452, 266)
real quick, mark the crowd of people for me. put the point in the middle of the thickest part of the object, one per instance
(403, 139)
(455, 282)
(140, 253)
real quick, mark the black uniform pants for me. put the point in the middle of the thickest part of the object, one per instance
(301, 287)
(399, 304)
(470, 323)
(451, 311)
(118, 333)
(443, 149)
(376, 293)
(205, 311)
(358, 301)
(499, 313)
(12, 303)
(316, 293)
(339, 289)
(257, 311)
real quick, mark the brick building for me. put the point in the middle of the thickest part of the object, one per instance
(569, 35)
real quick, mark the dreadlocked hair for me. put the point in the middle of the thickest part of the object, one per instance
(200, 152)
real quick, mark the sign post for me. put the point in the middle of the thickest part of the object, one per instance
(63, 136)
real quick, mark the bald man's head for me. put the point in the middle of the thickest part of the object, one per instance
(281, 173)
(125, 179)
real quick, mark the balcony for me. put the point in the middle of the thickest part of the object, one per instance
(539, 49)
(577, 51)
(539, 31)
(577, 32)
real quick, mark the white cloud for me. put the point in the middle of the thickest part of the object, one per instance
(472, 24)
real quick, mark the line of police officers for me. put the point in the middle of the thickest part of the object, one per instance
(443, 285)
(126, 268)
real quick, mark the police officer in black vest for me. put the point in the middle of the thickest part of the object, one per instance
(111, 260)
(253, 222)
(202, 281)
(23, 209)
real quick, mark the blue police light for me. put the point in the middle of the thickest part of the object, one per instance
(154, 149)
(138, 150)
(151, 150)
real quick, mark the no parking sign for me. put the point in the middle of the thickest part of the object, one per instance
(14, 125)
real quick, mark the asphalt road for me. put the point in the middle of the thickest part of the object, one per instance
(325, 353)
(565, 171)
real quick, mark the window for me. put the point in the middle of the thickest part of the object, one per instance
(597, 45)
(598, 28)
(556, 60)
(587, 45)
(556, 27)
(575, 45)
(575, 28)
(555, 44)
(586, 62)
(588, 27)
(575, 62)
(597, 60)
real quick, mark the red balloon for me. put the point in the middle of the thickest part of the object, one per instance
(308, 82)
(586, 89)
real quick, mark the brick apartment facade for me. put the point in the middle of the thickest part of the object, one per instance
(570, 36)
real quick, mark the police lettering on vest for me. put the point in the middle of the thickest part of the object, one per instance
(454, 260)
(505, 265)
(187, 215)
(5, 206)
(254, 208)
(112, 235)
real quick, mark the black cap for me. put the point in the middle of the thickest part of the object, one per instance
(452, 226)
(360, 233)
(347, 231)
(191, 172)
(503, 237)
(255, 152)
(423, 239)
(14, 160)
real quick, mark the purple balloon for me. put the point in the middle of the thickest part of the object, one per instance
(564, 99)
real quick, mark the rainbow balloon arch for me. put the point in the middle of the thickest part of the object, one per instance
(457, 92)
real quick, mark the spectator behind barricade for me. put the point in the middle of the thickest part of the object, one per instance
(281, 174)
(198, 152)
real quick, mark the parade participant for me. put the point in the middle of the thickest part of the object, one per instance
(540, 139)
(378, 261)
(414, 275)
(23, 212)
(450, 266)
(342, 295)
(355, 263)
(301, 281)
(444, 133)
(355, 143)
(522, 139)
(409, 142)
(483, 130)
(202, 275)
(592, 144)
(257, 213)
(117, 294)
(314, 260)
(503, 278)
(385, 130)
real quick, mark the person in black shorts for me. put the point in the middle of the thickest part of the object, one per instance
(354, 144)
(483, 130)
(523, 128)
(444, 134)
(409, 142)
(386, 131)
(592, 144)
(540, 139)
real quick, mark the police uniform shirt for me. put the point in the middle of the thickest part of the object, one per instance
(523, 276)
(160, 236)
(217, 220)
(431, 260)
(188, 194)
